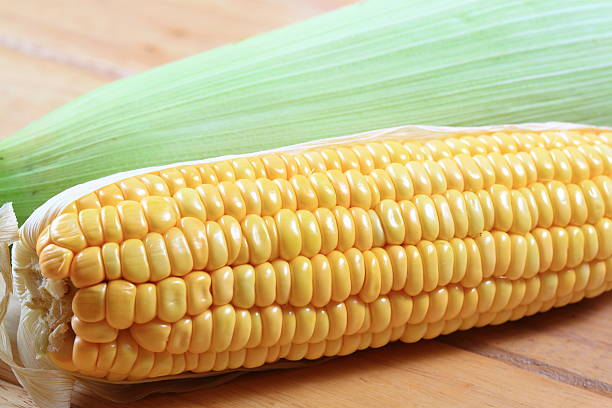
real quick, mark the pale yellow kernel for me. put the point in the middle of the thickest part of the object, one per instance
(475, 214)
(156, 186)
(244, 286)
(329, 229)
(412, 222)
(402, 181)
(323, 189)
(290, 238)
(431, 270)
(559, 198)
(91, 225)
(301, 281)
(341, 276)
(272, 318)
(275, 166)
(233, 202)
(65, 231)
(322, 280)
(134, 263)
(341, 187)
(180, 337)
(356, 264)
(288, 197)
(88, 303)
(474, 273)
(519, 174)
(171, 299)
(305, 319)
(380, 311)
(265, 284)
(224, 171)
(311, 234)
(217, 246)
(152, 336)
(86, 269)
(305, 193)
(346, 228)
(415, 277)
(360, 193)
(199, 297)
(133, 189)
(55, 261)
(133, 220)
(271, 200)
(250, 195)
(179, 254)
(472, 176)
(84, 354)
(384, 184)
(111, 224)
(427, 216)
(503, 172)
(389, 213)
(120, 304)
(438, 303)
(110, 195)
(372, 279)
(201, 334)
(145, 304)
(502, 201)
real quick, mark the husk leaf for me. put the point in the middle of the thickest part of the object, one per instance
(51, 387)
(372, 65)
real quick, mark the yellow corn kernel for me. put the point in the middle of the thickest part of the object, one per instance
(171, 299)
(55, 261)
(88, 304)
(119, 304)
(133, 220)
(324, 252)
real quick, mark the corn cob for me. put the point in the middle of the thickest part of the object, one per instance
(322, 252)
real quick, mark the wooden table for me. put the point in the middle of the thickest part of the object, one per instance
(50, 52)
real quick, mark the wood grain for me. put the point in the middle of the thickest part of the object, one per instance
(119, 37)
(31, 87)
(399, 375)
(573, 343)
(49, 55)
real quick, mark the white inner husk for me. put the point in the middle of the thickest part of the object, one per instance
(43, 305)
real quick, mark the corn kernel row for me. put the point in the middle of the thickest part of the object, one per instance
(566, 157)
(334, 277)
(123, 357)
(328, 187)
(539, 205)
(226, 326)
(209, 245)
(297, 255)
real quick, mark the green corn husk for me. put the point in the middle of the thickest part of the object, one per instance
(371, 65)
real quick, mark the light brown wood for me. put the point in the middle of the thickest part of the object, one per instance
(31, 87)
(13, 396)
(572, 344)
(399, 375)
(428, 373)
(122, 37)
(49, 55)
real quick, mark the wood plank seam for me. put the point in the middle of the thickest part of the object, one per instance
(34, 50)
(532, 365)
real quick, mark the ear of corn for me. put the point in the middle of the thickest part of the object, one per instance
(373, 65)
(322, 250)
(319, 251)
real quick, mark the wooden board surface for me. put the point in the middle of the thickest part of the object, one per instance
(49, 55)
